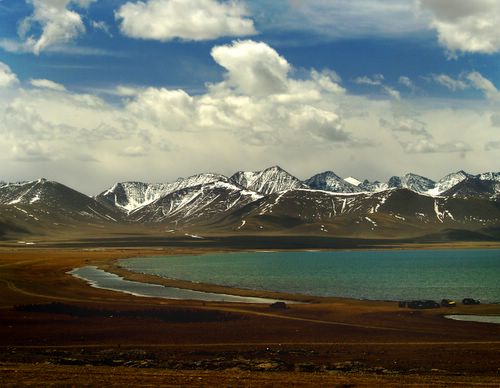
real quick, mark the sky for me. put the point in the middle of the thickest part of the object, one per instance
(98, 91)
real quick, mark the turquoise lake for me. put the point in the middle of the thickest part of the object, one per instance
(373, 275)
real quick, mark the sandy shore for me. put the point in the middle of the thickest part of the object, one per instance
(48, 316)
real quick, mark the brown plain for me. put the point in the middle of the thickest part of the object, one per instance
(108, 338)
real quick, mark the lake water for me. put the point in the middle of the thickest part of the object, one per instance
(373, 275)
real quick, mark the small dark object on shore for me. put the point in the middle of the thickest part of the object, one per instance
(279, 306)
(448, 303)
(422, 304)
(470, 301)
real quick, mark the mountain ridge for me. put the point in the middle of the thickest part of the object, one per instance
(261, 202)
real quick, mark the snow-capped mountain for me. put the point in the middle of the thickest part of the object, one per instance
(447, 182)
(269, 201)
(373, 187)
(271, 180)
(475, 187)
(129, 196)
(44, 205)
(412, 182)
(490, 176)
(20, 192)
(202, 203)
(329, 181)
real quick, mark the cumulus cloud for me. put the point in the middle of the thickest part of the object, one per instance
(52, 23)
(260, 114)
(170, 109)
(47, 84)
(258, 102)
(7, 77)
(465, 26)
(165, 20)
(253, 68)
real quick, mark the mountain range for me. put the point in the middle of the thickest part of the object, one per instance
(460, 206)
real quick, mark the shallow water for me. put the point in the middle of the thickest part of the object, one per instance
(476, 318)
(373, 275)
(101, 279)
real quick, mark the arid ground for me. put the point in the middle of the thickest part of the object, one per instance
(57, 330)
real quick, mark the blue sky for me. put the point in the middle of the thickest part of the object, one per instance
(94, 91)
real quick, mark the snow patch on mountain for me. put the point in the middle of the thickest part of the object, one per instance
(352, 181)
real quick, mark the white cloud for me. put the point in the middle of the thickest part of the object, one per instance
(449, 82)
(495, 120)
(492, 146)
(7, 77)
(393, 93)
(304, 123)
(58, 25)
(84, 3)
(376, 80)
(101, 26)
(415, 138)
(347, 18)
(165, 20)
(479, 82)
(134, 151)
(171, 110)
(471, 80)
(47, 84)
(406, 81)
(427, 146)
(406, 124)
(466, 26)
(253, 68)
(31, 152)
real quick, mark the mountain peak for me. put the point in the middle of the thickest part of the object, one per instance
(329, 181)
(130, 196)
(412, 181)
(271, 180)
